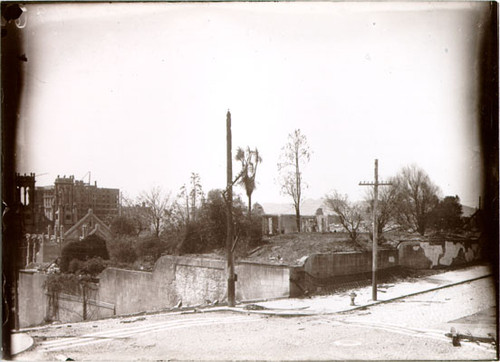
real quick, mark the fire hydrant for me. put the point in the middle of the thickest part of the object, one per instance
(352, 295)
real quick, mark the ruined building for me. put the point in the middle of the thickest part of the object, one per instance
(69, 200)
(63, 204)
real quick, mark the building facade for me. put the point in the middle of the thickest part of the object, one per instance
(69, 200)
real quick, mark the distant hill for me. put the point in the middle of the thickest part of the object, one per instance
(467, 211)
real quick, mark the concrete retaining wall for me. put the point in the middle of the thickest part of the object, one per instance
(435, 254)
(261, 281)
(194, 281)
(36, 307)
(33, 303)
(197, 281)
(340, 264)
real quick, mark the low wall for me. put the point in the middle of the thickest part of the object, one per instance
(198, 281)
(36, 306)
(33, 303)
(435, 254)
(330, 270)
(261, 281)
(347, 263)
(194, 281)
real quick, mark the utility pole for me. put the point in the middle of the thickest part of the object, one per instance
(375, 185)
(229, 212)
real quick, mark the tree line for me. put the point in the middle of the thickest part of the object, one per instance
(194, 221)
(412, 203)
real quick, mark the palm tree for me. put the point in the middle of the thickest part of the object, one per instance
(249, 159)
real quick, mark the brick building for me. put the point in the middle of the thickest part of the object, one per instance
(69, 200)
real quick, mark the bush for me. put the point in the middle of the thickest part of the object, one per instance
(93, 266)
(125, 253)
(191, 239)
(208, 232)
(150, 248)
(123, 225)
(75, 266)
(250, 230)
(88, 248)
(62, 283)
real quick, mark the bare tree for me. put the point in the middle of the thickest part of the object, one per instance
(184, 195)
(134, 211)
(195, 193)
(294, 155)
(417, 196)
(191, 196)
(386, 206)
(157, 208)
(350, 214)
(249, 159)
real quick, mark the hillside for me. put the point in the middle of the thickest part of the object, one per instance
(291, 249)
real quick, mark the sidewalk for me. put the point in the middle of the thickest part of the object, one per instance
(341, 302)
(20, 342)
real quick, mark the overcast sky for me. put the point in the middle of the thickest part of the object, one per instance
(138, 93)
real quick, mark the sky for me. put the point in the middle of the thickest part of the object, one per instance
(137, 94)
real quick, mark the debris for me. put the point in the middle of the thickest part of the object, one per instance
(254, 307)
(61, 357)
(179, 304)
(134, 320)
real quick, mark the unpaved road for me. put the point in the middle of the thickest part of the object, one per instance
(412, 328)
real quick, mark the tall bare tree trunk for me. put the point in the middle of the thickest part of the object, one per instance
(297, 180)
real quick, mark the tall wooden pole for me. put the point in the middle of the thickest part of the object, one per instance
(375, 236)
(375, 185)
(229, 218)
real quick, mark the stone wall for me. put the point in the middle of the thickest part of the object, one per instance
(435, 254)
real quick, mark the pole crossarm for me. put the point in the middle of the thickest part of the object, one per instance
(380, 183)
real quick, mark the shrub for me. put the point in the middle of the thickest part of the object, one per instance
(93, 266)
(125, 253)
(123, 225)
(88, 248)
(150, 248)
(62, 283)
(75, 266)
(208, 232)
